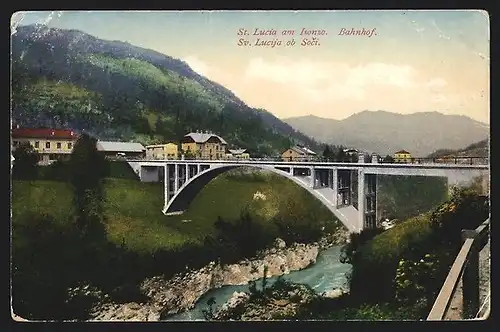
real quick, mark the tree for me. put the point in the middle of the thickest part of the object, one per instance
(25, 160)
(87, 168)
(341, 155)
(327, 153)
(388, 159)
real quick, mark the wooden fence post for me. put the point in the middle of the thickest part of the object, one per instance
(470, 278)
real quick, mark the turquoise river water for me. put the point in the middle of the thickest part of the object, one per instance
(326, 274)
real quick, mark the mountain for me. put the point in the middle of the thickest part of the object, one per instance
(385, 132)
(114, 90)
(479, 149)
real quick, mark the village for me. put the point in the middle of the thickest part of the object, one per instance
(57, 144)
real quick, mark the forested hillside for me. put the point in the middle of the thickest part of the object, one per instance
(114, 90)
(478, 149)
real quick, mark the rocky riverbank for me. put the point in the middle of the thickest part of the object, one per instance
(181, 293)
(281, 301)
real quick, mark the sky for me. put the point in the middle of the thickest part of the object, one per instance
(414, 61)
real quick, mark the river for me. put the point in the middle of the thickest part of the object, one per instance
(325, 275)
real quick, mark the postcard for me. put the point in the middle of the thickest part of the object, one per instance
(250, 165)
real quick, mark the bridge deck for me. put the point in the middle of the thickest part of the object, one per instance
(156, 162)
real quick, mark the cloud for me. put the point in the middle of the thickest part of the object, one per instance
(436, 83)
(289, 87)
(338, 81)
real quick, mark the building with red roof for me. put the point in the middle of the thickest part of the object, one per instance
(50, 144)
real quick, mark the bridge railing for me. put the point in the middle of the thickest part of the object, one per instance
(452, 160)
(465, 269)
(447, 160)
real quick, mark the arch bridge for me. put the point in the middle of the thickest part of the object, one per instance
(348, 190)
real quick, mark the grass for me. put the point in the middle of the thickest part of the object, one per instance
(133, 209)
(391, 244)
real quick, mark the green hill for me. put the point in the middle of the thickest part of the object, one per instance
(479, 149)
(133, 209)
(114, 90)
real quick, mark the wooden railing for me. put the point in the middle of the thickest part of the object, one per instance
(465, 268)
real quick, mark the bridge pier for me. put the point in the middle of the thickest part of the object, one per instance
(313, 177)
(166, 185)
(371, 201)
(335, 187)
(361, 199)
(176, 178)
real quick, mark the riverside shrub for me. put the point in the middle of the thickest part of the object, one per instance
(377, 261)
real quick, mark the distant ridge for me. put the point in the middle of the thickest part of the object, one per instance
(386, 132)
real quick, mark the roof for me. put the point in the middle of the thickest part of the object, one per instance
(302, 150)
(159, 145)
(307, 150)
(297, 149)
(403, 152)
(43, 133)
(120, 146)
(237, 151)
(203, 137)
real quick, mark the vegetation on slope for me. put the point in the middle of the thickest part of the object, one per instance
(116, 241)
(408, 263)
(478, 149)
(125, 92)
(402, 197)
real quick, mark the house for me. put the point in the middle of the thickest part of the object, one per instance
(205, 145)
(402, 156)
(351, 152)
(376, 158)
(298, 153)
(115, 150)
(237, 154)
(162, 151)
(50, 144)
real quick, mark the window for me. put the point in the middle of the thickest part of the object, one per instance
(37, 145)
(189, 147)
(47, 145)
(210, 152)
(70, 145)
(58, 144)
(217, 147)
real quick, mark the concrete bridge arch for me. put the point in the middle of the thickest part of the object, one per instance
(181, 200)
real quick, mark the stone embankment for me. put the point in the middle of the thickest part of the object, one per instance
(168, 297)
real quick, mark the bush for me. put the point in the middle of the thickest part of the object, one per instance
(436, 234)
(464, 210)
(57, 171)
(25, 161)
(413, 278)
(240, 239)
(45, 264)
(377, 259)
(356, 240)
